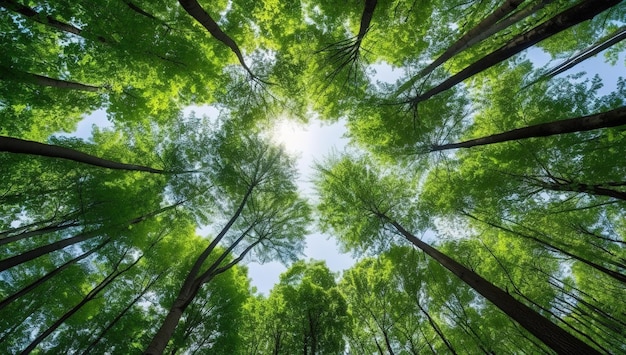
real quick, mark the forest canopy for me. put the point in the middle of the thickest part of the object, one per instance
(483, 192)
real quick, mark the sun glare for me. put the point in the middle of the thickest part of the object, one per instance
(292, 135)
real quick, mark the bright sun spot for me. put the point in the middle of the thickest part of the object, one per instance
(292, 135)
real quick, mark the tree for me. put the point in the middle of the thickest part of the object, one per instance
(576, 14)
(268, 204)
(20, 146)
(538, 216)
(197, 12)
(304, 313)
(362, 190)
(472, 36)
(612, 118)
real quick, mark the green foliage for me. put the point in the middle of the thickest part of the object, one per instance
(541, 218)
(355, 200)
(305, 312)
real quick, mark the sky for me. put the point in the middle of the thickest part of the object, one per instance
(313, 141)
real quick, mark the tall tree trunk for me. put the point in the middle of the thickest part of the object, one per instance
(195, 269)
(345, 53)
(436, 328)
(615, 37)
(388, 342)
(46, 249)
(162, 337)
(32, 14)
(190, 287)
(552, 335)
(581, 12)
(366, 19)
(37, 17)
(598, 190)
(34, 226)
(277, 343)
(613, 118)
(89, 297)
(463, 42)
(49, 275)
(142, 12)
(196, 11)
(22, 146)
(506, 23)
(613, 274)
(380, 349)
(33, 233)
(121, 314)
(312, 332)
(17, 75)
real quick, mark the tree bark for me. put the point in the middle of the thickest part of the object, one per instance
(599, 190)
(506, 23)
(190, 287)
(49, 275)
(89, 297)
(121, 314)
(613, 118)
(581, 12)
(613, 274)
(30, 13)
(552, 335)
(141, 11)
(196, 11)
(16, 75)
(436, 328)
(616, 37)
(22, 146)
(387, 342)
(46, 249)
(366, 19)
(52, 221)
(37, 17)
(463, 42)
(33, 233)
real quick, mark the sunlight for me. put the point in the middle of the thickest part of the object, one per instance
(294, 136)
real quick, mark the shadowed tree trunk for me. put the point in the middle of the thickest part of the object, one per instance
(44, 230)
(506, 23)
(49, 275)
(24, 77)
(436, 328)
(47, 20)
(196, 11)
(22, 146)
(89, 297)
(610, 273)
(46, 249)
(581, 12)
(552, 335)
(37, 17)
(607, 119)
(615, 37)
(345, 53)
(121, 314)
(142, 12)
(387, 342)
(192, 285)
(474, 35)
(570, 186)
